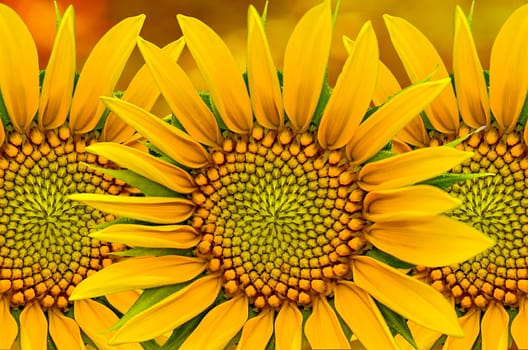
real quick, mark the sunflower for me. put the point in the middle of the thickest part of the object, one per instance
(271, 212)
(48, 120)
(490, 290)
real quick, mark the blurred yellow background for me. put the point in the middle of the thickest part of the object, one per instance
(228, 18)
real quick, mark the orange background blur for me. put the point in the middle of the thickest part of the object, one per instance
(228, 18)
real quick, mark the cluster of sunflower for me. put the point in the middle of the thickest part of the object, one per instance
(272, 211)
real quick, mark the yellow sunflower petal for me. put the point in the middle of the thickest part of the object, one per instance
(145, 165)
(122, 301)
(407, 202)
(263, 81)
(257, 331)
(149, 272)
(288, 328)
(520, 324)
(160, 210)
(57, 87)
(420, 59)
(33, 328)
(9, 324)
(305, 62)
(163, 236)
(353, 91)
(64, 331)
(414, 133)
(170, 312)
(470, 86)
(405, 295)
(409, 168)
(494, 327)
(508, 84)
(219, 326)
(142, 92)
(424, 337)
(398, 146)
(221, 72)
(470, 324)
(101, 72)
(389, 119)
(168, 139)
(371, 328)
(322, 328)
(19, 69)
(94, 319)
(182, 98)
(2, 134)
(430, 241)
(387, 86)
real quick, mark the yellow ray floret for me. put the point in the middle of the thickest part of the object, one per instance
(428, 308)
(148, 272)
(145, 165)
(166, 236)
(162, 210)
(424, 241)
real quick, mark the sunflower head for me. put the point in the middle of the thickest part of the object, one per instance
(488, 108)
(48, 119)
(268, 205)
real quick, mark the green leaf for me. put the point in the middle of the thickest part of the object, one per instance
(426, 121)
(383, 154)
(437, 344)
(181, 333)
(388, 259)
(207, 99)
(478, 343)
(524, 113)
(446, 180)
(234, 341)
(264, 14)
(140, 251)
(174, 121)
(119, 221)
(148, 187)
(326, 91)
(146, 300)
(150, 345)
(51, 344)
(463, 138)
(397, 324)
(3, 112)
(346, 330)
(153, 150)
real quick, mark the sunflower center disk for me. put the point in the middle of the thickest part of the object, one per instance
(44, 245)
(280, 216)
(497, 205)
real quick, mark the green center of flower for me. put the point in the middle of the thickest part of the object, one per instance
(44, 245)
(497, 205)
(280, 216)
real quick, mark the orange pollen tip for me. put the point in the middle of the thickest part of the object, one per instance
(304, 298)
(4, 285)
(439, 286)
(480, 301)
(274, 301)
(17, 298)
(319, 286)
(231, 287)
(251, 291)
(214, 265)
(466, 302)
(260, 302)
